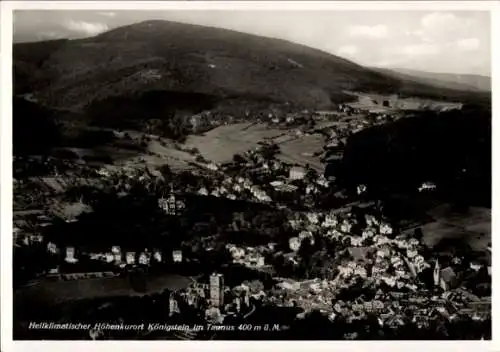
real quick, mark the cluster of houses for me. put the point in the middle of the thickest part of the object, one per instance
(115, 256)
(345, 125)
(378, 256)
(28, 226)
(234, 187)
(214, 299)
(171, 205)
(251, 257)
(242, 187)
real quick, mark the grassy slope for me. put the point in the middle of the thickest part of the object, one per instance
(456, 81)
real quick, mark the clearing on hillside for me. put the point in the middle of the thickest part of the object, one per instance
(222, 143)
(474, 227)
(302, 149)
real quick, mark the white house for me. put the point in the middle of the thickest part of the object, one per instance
(334, 234)
(475, 266)
(427, 186)
(52, 247)
(109, 257)
(236, 252)
(385, 229)
(143, 259)
(356, 241)
(203, 191)
(312, 218)
(345, 226)
(276, 183)
(310, 189)
(297, 173)
(70, 255)
(294, 243)
(177, 256)
(322, 181)
(213, 167)
(411, 253)
(130, 257)
(330, 221)
(157, 256)
(305, 234)
(371, 220)
(103, 172)
(361, 189)
(367, 234)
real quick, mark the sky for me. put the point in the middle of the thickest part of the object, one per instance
(447, 42)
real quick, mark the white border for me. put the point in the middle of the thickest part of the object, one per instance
(6, 170)
(253, 5)
(495, 84)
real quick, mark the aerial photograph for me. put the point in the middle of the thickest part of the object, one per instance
(251, 175)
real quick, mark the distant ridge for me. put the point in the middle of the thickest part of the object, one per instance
(466, 82)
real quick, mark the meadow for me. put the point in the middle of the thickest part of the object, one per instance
(48, 292)
(222, 143)
(301, 151)
(474, 227)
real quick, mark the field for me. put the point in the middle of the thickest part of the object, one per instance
(156, 154)
(101, 151)
(60, 184)
(54, 292)
(473, 227)
(221, 143)
(375, 103)
(160, 155)
(301, 150)
(330, 124)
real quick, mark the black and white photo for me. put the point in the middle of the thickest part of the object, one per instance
(251, 174)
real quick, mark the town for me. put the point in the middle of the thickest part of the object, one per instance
(244, 241)
(248, 173)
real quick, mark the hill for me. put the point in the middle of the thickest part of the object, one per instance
(28, 59)
(34, 128)
(455, 154)
(474, 83)
(196, 63)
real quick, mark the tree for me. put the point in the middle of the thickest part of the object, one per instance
(238, 159)
(418, 234)
(255, 286)
(200, 159)
(322, 265)
(165, 170)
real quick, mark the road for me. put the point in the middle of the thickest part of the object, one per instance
(252, 310)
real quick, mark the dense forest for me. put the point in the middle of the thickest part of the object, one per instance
(35, 130)
(451, 149)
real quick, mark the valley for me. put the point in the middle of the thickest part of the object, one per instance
(199, 175)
